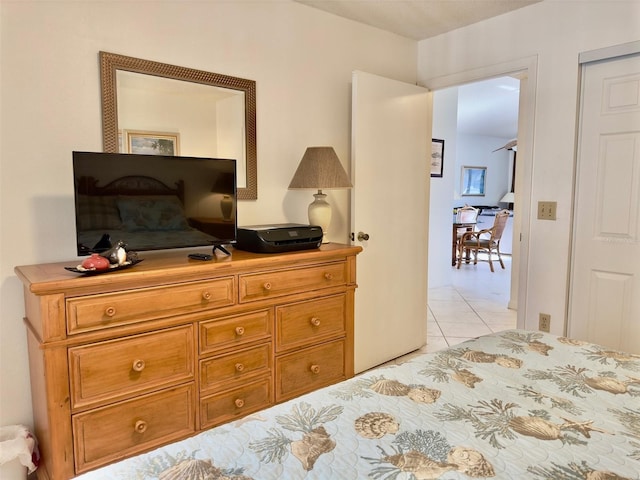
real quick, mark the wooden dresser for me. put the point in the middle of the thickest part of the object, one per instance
(126, 361)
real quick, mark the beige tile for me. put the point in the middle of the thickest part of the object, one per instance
(488, 305)
(460, 317)
(433, 329)
(444, 293)
(502, 318)
(475, 304)
(457, 340)
(435, 343)
(445, 308)
(464, 329)
(499, 328)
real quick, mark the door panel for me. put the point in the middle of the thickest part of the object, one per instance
(391, 145)
(605, 287)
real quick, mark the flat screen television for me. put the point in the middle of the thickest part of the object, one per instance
(153, 202)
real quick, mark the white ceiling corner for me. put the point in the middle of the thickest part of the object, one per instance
(417, 19)
(488, 108)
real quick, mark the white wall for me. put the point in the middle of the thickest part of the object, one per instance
(50, 100)
(445, 120)
(555, 31)
(478, 151)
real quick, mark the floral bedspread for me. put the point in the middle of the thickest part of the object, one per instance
(512, 405)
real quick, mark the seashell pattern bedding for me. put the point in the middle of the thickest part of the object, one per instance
(511, 405)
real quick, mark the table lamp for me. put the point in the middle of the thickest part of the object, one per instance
(224, 185)
(320, 169)
(508, 198)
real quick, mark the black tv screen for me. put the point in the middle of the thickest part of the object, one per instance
(153, 202)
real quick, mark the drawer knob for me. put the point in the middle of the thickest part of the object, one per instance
(239, 331)
(315, 321)
(315, 369)
(110, 311)
(239, 367)
(138, 365)
(328, 276)
(267, 285)
(140, 426)
(239, 402)
(206, 295)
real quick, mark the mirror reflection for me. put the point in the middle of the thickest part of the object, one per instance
(155, 108)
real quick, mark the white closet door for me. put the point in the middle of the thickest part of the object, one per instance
(605, 288)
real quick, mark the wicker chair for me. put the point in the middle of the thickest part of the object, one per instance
(486, 240)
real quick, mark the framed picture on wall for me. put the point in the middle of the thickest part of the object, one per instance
(473, 181)
(437, 157)
(152, 143)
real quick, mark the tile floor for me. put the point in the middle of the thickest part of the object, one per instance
(476, 304)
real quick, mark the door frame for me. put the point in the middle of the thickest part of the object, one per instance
(526, 69)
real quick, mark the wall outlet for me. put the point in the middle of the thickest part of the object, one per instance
(547, 210)
(544, 322)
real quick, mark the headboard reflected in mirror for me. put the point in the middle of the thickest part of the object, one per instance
(209, 114)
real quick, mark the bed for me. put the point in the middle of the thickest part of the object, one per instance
(511, 405)
(142, 211)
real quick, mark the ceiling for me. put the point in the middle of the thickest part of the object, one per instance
(489, 107)
(418, 19)
(484, 108)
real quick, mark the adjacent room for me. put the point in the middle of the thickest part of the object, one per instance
(472, 300)
(305, 302)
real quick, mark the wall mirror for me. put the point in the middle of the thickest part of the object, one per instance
(209, 114)
(473, 181)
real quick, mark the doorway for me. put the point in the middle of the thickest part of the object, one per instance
(480, 123)
(441, 273)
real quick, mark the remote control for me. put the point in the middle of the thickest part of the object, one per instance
(200, 256)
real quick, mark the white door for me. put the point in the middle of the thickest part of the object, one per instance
(605, 288)
(390, 170)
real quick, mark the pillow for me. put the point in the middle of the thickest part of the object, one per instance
(152, 213)
(97, 213)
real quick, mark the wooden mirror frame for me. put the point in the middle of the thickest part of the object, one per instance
(110, 63)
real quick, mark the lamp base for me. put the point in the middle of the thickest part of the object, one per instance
(320, 213)
(226, 205)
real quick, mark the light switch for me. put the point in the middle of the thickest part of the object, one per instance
(547, 210)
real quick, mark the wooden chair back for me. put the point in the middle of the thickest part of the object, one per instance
(499, 224)
(467, 214)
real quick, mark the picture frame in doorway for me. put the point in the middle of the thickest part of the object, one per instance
(152, 143)
(473, 181)
(437, 157)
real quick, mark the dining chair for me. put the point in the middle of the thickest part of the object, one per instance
(486, 240)
(466, 214)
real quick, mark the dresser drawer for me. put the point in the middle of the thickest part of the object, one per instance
(238, 366)
(112, 309)
(115, 369)
(309, 369)
(310, 322)
(112, 433)
(235, 331)
(285, 282)
(236, 403)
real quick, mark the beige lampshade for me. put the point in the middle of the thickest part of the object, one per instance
(320, 168)
(509, 197)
